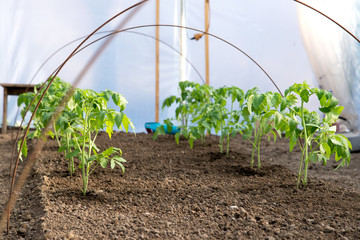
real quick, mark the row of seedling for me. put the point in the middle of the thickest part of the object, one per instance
(77, 126)
(228, 111)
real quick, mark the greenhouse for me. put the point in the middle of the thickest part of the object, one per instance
(179, 119)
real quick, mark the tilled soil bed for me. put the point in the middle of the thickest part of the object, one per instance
(169, 191)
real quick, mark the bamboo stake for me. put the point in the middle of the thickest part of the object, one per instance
(183, 46)
(207, 71)
(157, 62)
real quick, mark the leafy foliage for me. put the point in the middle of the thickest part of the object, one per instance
(85, 114)
(47, 106)
(259, 116)
(201, 109)
(255, 115)
(316, 137)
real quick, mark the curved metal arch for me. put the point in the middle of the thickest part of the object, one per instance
(212, 35)
(110, 32)
(343, 28)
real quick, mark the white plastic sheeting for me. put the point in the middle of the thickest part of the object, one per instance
(333, 53)
(32, 30)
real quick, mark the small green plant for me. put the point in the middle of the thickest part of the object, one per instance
(83, 117)
(46, 109)
(316, 137)
(235, 123)
(259, 119)
(202, 109)
(192, 97)
(92, 114)
(259, 114)
(217, 115)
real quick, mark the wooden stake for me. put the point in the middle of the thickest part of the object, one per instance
(4, 124)
(157, 64)
(207, 71)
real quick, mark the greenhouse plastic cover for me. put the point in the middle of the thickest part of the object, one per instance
(31, 31)
(333, 53)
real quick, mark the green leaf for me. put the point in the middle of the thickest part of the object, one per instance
(126, 123)
(344, 140)
(293, 125)
(116, 99)
(278, 117)
(112, 163)
(118, 119)
(108, 151)
(293, 141)
(23, 98)
(71, 103)
(78, 96)
(249, 103)
(313, 158)
(321, 97)
(51, 134)
(274, 134)
(336, 141)
(160, 130)
(337, 110)
(325, 149)
(119, 161)
(257, 101)
(168, 101)
(274, 99)
(191, 142)
(63, 147)
(322, 158)
(103, 162)
(305, 95)
(24, 150)
(283, 104)
(177, 137)
(73, 154)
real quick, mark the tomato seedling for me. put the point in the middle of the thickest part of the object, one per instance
(46, 109)
(83, 117)
(317, 137)
(258, 114)
(92, 114)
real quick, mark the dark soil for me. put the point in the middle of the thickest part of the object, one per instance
(172, 192)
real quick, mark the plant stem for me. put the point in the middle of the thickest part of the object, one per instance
(85, 180)
(228, 144)
(253, 148)
(221, 143)
(93, 168)
(71, 160)
(56, 135)
(228, 135)
(221, 138)
(252, 155)
(258, 151)
(300, 167)
(84, 164)
(306, 157)
(90, 145)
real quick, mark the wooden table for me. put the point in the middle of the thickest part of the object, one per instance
(12, 89)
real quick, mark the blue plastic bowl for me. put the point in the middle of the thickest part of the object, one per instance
(152, 126)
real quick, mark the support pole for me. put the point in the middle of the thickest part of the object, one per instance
(183, 46)
(4, 124)
(157, 62)
(207, 71)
